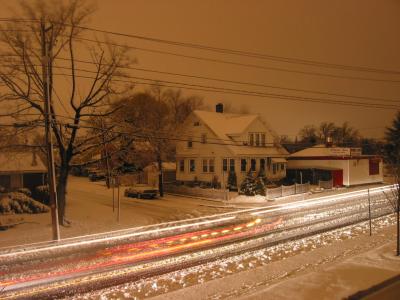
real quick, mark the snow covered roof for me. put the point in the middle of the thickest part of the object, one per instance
(322, 151)
(21, 162)
(224, 124)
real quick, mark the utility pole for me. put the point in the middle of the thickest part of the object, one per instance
(51, 176)
(369, 213)
(103, 135)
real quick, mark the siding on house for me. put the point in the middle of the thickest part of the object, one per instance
(217, 137)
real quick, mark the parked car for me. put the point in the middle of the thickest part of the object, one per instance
(97, 175)
(141, 191)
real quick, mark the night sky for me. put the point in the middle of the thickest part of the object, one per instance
(357, 33)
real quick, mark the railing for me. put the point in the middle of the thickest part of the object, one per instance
(284, 191)
(326, 184)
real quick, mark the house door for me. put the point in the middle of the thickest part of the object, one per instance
(337, 178)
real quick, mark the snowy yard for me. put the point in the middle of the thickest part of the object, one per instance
(90, 210)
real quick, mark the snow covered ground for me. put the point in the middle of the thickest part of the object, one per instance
(90, 210)
(251, 272)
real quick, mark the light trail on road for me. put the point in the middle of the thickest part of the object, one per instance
(259, 226)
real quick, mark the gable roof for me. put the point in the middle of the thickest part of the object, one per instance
(21, 162)
(226, 125)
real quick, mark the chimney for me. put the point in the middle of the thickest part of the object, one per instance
(329, 142)
(219, 108)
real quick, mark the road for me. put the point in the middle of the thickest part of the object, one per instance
(90, 262)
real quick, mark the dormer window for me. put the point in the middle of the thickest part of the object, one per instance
(257, 139)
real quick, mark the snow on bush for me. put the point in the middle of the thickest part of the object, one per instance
(18, 203)
(41, 194)
(25, 191)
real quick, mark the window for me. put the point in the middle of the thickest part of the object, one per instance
(257, 139)
(374, 166)
(225, 164)
(243, 165)
(263, 139)
(262, 164)
(192, 165)
(274, 168)
(182, 165)
(252, 165)
(232, 165)
(204, 138)
(211, 166)
(251, 139)
(282, 167)
(196, 124)
(190, 143)
(269, 161)
(205, 165)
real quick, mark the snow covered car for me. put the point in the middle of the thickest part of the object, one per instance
(97, 175)
(141, 192)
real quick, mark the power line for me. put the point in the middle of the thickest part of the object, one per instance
(214, 60)
(239, 91)
(226, 50)
(241, 82)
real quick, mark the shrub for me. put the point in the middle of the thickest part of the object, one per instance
(21, 202)
(25, 191)
(2, 189)
(41, 194)
(248, 186)
(232, 181)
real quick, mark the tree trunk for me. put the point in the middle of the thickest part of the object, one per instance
(398, 222)
(160, 176)
(62, 191)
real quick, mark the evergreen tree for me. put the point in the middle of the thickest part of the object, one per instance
(248, 186)
(259, 186)
(392, 148)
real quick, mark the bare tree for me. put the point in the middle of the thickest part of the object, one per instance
(155, 117)
(83, 96)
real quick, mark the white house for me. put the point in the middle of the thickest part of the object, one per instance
(215, 144)
(345, 166)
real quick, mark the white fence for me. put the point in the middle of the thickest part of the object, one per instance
(326, 184)
(283, 190)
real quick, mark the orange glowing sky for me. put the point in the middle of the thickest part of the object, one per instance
(352, 32)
